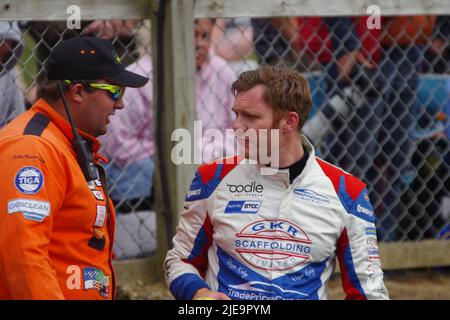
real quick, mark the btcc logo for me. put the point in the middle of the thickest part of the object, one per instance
(251, 206)
(241, 206)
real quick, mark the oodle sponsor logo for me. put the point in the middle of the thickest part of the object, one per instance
(252, 189)
(273, 245)
(310, 196)
(244, 207)
(29, 180)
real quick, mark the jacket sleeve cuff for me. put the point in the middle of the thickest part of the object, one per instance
(184, 287)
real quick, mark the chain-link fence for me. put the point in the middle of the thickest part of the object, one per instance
(381, 106)
(381, 103)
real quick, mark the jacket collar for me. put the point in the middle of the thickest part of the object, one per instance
(283, 174)
(63, 125)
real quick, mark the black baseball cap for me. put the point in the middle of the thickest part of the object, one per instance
(89, 58)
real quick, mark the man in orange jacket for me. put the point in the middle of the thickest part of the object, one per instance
(56, 219)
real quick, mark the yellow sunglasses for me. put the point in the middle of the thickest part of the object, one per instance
(117, 92)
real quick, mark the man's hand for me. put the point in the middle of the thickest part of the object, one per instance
(438, 46)
(108, 29)
(206, 294)
(346, 63)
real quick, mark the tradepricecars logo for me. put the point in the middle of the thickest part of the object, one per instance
(29, 180)
(273, 245)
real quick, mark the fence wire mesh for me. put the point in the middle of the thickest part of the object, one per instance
(381, 105)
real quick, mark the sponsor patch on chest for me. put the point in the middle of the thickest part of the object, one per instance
(310, 196)
(273, 245)
(243, 207)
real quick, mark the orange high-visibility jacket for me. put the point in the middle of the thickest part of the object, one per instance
(56, 229)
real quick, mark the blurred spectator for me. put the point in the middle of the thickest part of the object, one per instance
(130, 145)
(437, 57)
(402, 55)
(232, 40)
(384, 65)
(214, 97)
(272, 40)
(11, 98)
(343, 126)
(431, 158)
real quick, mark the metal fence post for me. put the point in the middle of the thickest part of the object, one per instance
(176, 109)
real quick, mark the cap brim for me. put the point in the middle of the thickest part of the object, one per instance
(128, 79)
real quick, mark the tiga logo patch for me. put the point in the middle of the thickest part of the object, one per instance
(29, 180)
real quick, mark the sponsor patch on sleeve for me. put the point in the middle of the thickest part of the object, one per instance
(29, 180)
(95, 279)
(195, 189)
(33, 210)
(362, 208)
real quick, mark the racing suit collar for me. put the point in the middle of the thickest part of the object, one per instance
(283, 174)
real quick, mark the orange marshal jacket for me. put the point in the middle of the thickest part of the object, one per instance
(56, 230)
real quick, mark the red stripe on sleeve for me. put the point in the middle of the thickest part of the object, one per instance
(352, 293)
(200, 262)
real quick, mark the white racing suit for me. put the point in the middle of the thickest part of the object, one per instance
(254, 236)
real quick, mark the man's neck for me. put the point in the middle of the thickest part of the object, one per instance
(291, 152)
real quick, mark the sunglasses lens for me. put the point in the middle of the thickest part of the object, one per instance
(117, 94)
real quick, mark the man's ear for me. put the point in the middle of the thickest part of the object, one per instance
(290, 122)
(76, 92)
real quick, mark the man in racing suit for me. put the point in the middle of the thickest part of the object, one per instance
(246, 233)
(56, 219)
